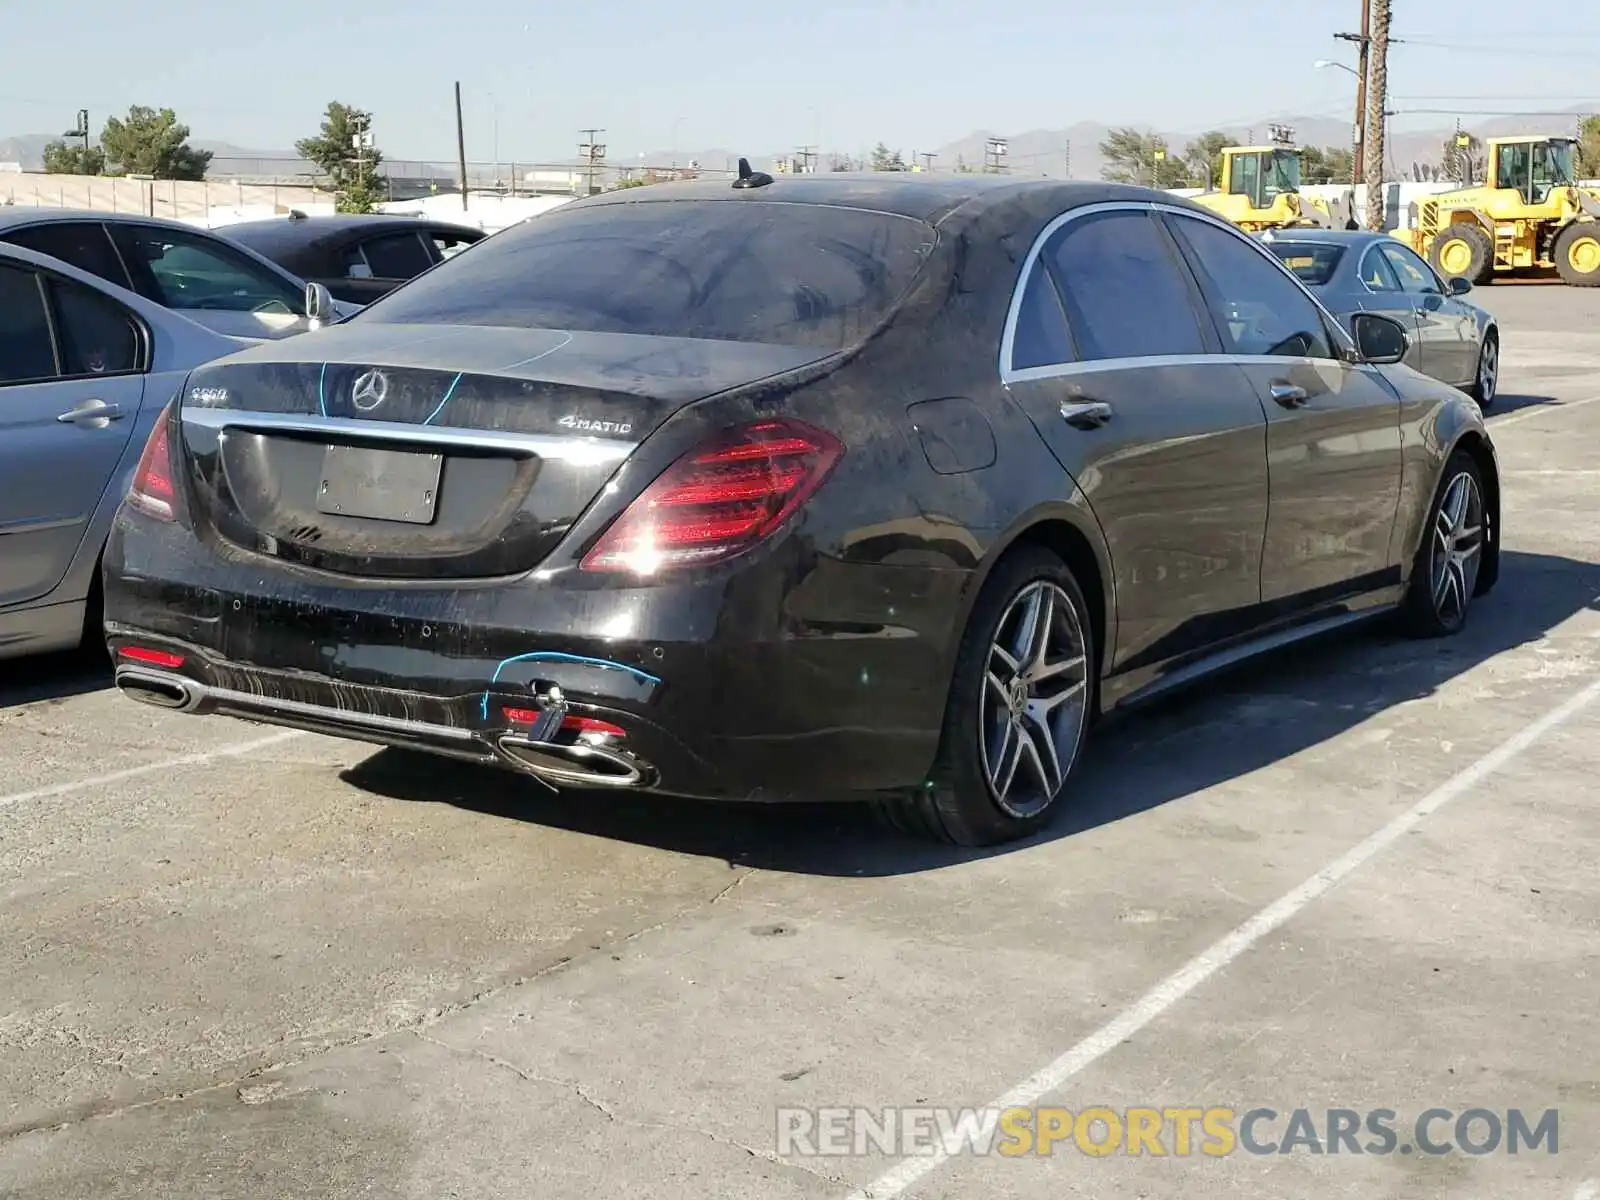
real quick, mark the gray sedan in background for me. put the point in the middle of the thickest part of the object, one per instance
(1451, 339)
(85, 369)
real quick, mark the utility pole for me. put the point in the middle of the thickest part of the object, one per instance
(461, 147)
(1066, 160)
(808, 157)
(1377, 113)
(593, 151)
(1363, 42)
(81, 130)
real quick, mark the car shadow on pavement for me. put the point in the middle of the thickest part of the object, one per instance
(1507, 403)
(52, 677)
(1239, 722)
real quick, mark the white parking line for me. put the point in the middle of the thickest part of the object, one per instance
(1537, 410)
(199, 759)
(898, 1180)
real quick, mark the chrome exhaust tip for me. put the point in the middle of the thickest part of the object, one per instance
(162, 691)
(581, 764)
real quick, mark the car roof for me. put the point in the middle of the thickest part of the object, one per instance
(907, 194)
(301, 230)
(13, 215)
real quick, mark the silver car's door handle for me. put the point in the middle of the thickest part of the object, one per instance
(1086, 414)
(1288, 394)
(91, 412)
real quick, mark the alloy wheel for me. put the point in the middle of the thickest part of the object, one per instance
(1034, 702)
(1488, 370)
(1457, 548)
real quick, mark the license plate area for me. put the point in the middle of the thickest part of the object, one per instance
(380, 485)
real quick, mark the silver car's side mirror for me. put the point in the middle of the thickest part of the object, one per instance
(1380, 339)
(319, 305)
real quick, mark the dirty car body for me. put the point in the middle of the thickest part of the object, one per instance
(699, 491)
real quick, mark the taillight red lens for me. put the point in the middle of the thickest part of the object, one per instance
(719, 499)
(153, 493)
(592, 726)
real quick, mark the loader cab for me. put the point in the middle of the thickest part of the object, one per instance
(1532, 167)
(1260, 173)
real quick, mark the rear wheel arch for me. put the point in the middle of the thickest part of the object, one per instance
(1070, 539)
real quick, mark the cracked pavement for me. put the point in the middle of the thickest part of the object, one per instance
(319, 969)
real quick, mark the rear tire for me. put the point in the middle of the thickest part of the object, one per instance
(1577, 254)
(1444, 577)
(1018, 712)
(1486, 386)
(1463, 250)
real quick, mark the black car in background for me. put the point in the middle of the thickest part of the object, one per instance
(357, 257)
(824, 486)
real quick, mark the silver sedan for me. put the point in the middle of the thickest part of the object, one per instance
(1451, 338)
(85, 369)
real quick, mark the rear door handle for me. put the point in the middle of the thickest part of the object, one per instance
(1288, 394)
(96, 413)
(1086, 414)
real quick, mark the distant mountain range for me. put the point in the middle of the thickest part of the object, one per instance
(1056, 153)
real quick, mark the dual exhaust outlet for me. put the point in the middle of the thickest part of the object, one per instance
(581, 764)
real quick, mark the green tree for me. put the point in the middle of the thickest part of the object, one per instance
(1326, 164)
(630, 183)
(1589, 148)
(1142, 158)
(1203, 156)
(350, 168)
(62, 159)
(884, 159)
(151, 142)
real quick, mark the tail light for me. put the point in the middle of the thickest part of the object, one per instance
(153, 493)
(151, 658)
(719, 499)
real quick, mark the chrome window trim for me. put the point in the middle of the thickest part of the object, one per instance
(585, 450)
(1009, 375)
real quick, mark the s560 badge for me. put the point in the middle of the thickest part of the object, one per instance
(572, 421)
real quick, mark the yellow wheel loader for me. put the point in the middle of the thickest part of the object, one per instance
(1261, 190)
(1529, 215)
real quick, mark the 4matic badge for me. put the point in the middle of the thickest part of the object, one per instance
(573, 421)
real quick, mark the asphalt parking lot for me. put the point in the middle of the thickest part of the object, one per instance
(241, 963)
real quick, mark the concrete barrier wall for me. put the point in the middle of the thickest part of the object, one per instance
(182, 200)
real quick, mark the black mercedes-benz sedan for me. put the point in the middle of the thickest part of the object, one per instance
(356, 256)
(1451, 338)
(822, 487)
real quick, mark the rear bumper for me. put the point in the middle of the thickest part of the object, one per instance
(721, 691)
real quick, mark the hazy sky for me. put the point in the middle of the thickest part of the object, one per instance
(755, 76)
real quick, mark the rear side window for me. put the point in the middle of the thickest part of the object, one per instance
(1260, 310)
(394, 256)
(736, 270)
(1312, 264)
(98, 337)
(84, 244)
(1125, 293)
(1376, 272)
(26, 354)
(1041, 338)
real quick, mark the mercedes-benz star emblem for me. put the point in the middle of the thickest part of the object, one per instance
(370, 390)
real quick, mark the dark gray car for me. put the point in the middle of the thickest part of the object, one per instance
(1451, 338)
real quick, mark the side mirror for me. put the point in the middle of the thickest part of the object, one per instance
(319, 305)
(1380, 339)
(1459, 285)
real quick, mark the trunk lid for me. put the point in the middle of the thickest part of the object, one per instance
(435, 452)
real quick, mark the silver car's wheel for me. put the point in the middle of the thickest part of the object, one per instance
(1488, 381)
(1457, 549)
(1034, 699)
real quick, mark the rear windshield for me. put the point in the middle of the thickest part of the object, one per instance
(761, 271)
(1315, 264)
